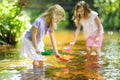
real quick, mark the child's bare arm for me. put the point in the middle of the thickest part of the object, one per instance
(75, 36)
(51, 34)
(98, 22)
(34, 41)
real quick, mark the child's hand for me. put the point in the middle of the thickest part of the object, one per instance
(57, 55)
(64, 59)
(97, 38)
(68, 48)
(37, 50)
(72, 43)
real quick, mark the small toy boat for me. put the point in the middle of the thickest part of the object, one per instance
(68, 48)
(47, 53)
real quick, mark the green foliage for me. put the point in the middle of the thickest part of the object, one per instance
(34, 13)
(109, 12)
(62, 25)
(12, 22)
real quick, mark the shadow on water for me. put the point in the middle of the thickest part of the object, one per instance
(12, 67)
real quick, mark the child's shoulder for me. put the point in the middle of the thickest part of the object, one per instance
(94, 13)
(39, 19)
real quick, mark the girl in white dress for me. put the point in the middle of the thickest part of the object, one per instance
(92, 27)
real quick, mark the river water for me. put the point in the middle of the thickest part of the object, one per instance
(12, 67)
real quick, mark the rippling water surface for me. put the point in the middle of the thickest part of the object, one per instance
(12, 67)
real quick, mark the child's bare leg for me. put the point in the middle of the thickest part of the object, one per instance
(41, 64)
(89, 50)
(98, 51)
(37, 64)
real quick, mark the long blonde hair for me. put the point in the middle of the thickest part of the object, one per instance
(52, 13)
(77, 17)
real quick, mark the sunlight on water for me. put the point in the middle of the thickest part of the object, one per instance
(78, 68)
(111, 58)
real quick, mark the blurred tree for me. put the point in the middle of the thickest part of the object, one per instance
(22, 3)
(108, 10)
(109, 13)
(36, 7)
(12, 25)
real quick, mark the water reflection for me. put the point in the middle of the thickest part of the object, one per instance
(93, 68)
(81, 68)
(33, 74)
(14, 68)
(61, 74)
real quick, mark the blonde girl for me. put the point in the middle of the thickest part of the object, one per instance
(32, 44)
(92, 27)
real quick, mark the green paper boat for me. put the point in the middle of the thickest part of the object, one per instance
(47, 53)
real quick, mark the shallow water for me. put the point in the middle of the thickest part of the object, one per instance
(78, 68)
